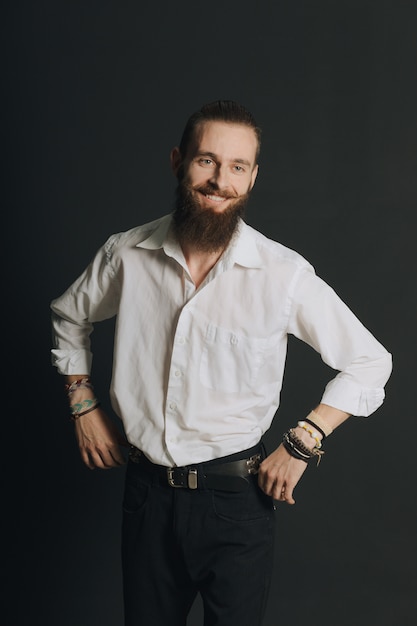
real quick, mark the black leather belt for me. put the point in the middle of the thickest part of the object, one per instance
(225, 476)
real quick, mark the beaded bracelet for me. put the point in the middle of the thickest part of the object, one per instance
(313, 434)
(76, 384)
(309, 421)
(75, 416)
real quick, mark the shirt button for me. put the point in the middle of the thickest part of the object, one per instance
(181, 341)
(173, 405)
(177, 373)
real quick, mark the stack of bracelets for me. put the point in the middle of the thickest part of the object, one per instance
(85, 406)
(297, 448)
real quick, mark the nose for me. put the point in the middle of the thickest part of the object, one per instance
(220, 178)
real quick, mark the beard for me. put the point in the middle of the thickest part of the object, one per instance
(204, 229)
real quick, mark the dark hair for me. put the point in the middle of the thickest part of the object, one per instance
(220, 111)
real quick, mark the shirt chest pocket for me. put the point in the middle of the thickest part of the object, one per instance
(231, 362)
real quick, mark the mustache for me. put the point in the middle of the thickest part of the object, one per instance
(211, 190)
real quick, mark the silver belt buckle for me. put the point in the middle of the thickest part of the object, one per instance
(192, 480)
(170, 476)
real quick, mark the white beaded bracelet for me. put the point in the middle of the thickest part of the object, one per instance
(313, 433)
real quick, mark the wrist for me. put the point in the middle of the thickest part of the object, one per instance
(81, 396)
(84, 408)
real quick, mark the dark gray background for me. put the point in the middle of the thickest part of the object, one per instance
(96, 95)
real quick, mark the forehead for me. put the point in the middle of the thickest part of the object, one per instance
(228, 141)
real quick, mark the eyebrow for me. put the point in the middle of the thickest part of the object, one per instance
(215, 158)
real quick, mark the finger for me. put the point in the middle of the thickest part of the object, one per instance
(289, 498)
(271, 486)
(97, 460)
(264, 480)
(286, 495)
(278, 492)
(115, 450)
(101, 458)
(86, 460)
(117, 456)
(108, 458)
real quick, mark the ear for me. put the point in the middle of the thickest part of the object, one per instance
(176, 160)
(253, 176)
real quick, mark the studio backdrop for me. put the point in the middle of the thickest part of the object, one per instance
(97, 94)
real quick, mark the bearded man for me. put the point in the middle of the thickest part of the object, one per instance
(204, 306)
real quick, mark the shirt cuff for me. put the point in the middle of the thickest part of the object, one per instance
(347, 396)
(72, 362)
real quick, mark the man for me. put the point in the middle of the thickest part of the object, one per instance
(204, 306)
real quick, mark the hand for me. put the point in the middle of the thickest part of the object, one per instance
(99, 440)
(279, 473)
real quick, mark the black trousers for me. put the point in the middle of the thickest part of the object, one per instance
(179, 542)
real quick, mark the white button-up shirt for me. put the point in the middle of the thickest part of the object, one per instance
(197, 373)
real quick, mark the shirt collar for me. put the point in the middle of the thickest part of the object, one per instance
(163, 238)
(158, 234)
(242, 250)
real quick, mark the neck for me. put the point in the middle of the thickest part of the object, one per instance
(199, 262)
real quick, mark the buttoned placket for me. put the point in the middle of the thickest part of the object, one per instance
(181, 349)
(178, 365)
(180, 352)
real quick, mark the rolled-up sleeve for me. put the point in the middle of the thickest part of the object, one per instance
(93, 297)
(322, 320)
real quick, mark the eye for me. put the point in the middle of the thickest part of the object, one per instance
(205, 162)
(239, 169)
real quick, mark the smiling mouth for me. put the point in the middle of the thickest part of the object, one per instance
(216, 198)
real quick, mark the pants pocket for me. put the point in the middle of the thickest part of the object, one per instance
(135, 495)
(245, 506)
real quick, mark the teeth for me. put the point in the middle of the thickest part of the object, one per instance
(215, 198)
